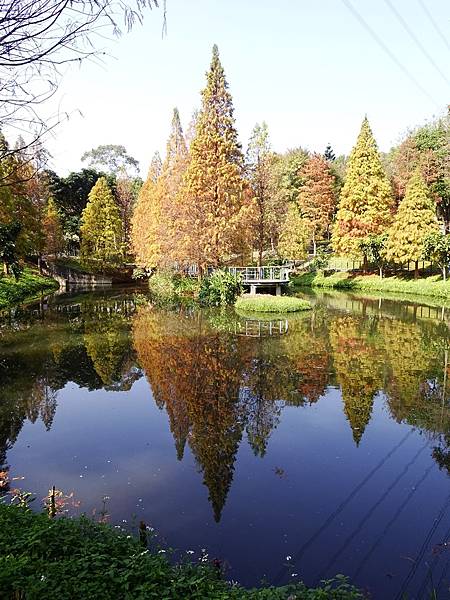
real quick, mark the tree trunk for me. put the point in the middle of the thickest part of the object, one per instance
(314, 245)
(381, 272)
(365, 264)
(39, 263)
(5, 269)
(260, 253)
(416, 269)
(444, 273)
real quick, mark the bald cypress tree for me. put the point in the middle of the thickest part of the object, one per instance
(146, 220)
(153, 228)
(414, 221)
(366, 200)
(212, 196)
(101, 227)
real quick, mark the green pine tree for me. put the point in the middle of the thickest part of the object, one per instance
(101, 227)
(414, 221)
(52, 228)
(366, 201)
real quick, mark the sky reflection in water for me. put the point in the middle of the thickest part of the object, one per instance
(324, 436)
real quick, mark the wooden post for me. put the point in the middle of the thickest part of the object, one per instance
(52, 512)
(143, 534)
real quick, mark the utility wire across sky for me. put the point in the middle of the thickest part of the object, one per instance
(388, 51)
(416, 40)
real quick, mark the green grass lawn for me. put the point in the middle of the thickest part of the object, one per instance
(274, 304)
(79, 558)
(29, 285)
(425, 286)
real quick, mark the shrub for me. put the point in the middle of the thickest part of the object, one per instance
(186, 286)
(273, 304)
(320, 261)
(78, 558)
(161, 286)
(139, 273)
(220, 288)
(28, 285)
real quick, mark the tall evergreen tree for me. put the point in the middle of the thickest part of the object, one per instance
(53, 233)
(366, 201)
(317, 198)
(153, 225)
(146, 221)
(295, 235)
(155, 167)
(329, 154)
(260, 163)
(212, 196)
(414, 221)
(101, 227)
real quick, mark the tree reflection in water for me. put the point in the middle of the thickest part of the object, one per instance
(222, 376)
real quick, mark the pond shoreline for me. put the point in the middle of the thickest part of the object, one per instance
(431, 286)
(55, 561)
(27, 288)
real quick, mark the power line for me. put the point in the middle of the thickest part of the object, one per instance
(391, 522)
(341, 507)
(392, 56)
(423, 548)
(369, 513)
(415, 39)
(429, 574)
(435, 25)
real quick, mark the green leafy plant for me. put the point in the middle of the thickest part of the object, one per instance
(79, 558)
(320, 261)
(161, 286)
(373, 248)
(436, 248)
(220, 288)
(28, 285)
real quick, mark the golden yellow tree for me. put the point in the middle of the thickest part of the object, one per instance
(295, 235)
(366, 200)
(146, 219)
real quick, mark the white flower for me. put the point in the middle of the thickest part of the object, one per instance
(161, 551)
(288, 557)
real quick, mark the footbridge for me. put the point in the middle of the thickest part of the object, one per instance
(258, 277)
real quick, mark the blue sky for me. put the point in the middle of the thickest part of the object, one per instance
(308, 68)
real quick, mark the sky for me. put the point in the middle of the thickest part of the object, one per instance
(309, 68)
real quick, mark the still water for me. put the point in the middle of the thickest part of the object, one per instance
(293, 447)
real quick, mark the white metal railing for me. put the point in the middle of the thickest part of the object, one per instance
(261, 274)
(255, 328)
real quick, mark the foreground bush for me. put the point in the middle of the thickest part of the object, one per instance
(268, 303)
(429, 286)
(220, 289)
(166, 287)
(29, 284)
(77, 558)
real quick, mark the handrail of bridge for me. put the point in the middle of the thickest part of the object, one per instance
(258, 274)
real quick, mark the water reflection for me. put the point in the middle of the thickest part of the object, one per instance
(226, 380)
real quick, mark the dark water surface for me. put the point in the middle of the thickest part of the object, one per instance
(324, 437)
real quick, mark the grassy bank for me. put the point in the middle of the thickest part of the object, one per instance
(29, 285)
(77, 558)
(273, 304)
(429, 286)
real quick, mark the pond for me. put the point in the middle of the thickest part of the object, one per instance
(289, 447)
